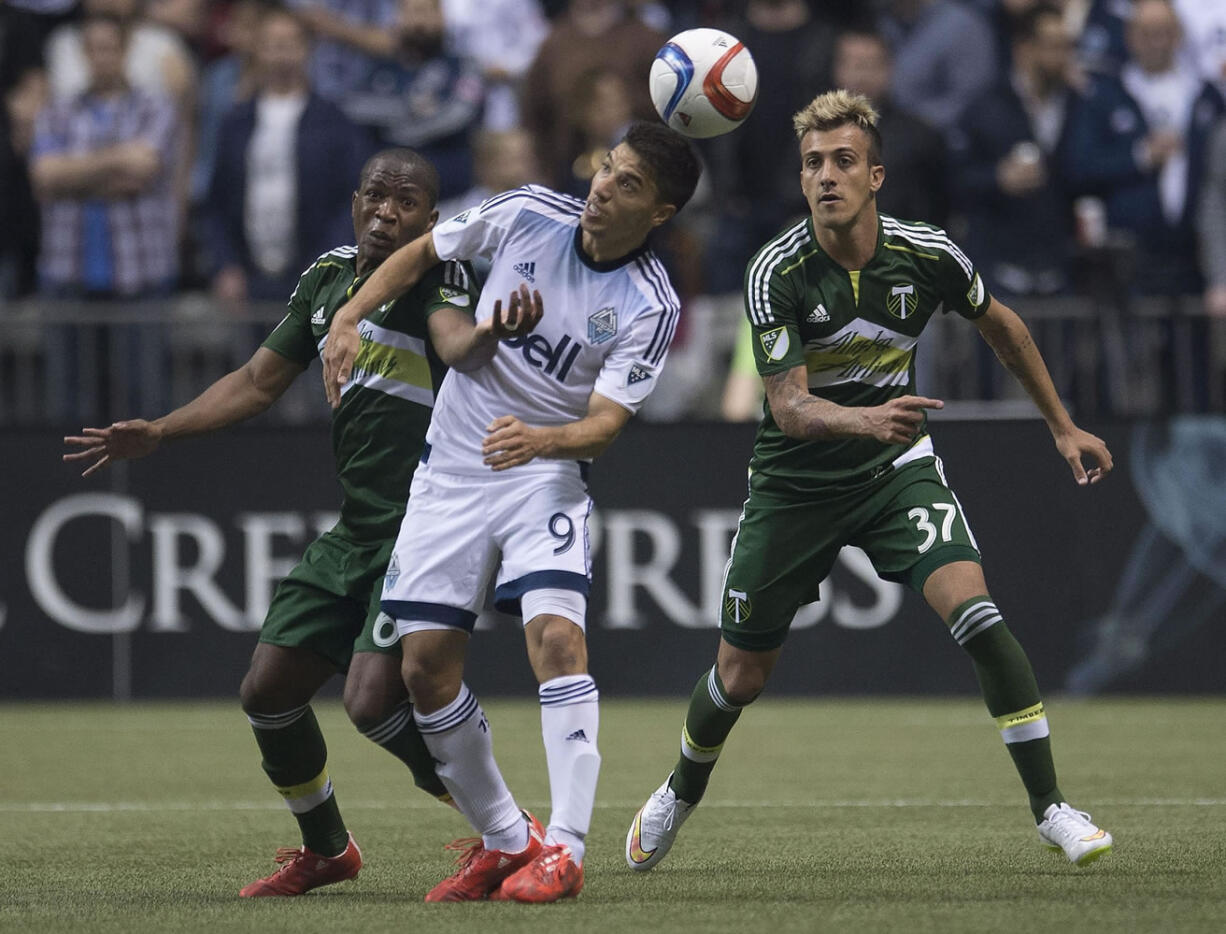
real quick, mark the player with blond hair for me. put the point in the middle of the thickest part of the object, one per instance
(843, 456)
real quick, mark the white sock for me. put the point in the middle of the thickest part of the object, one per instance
(570, 721)
(458, 736)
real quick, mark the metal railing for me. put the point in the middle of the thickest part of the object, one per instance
(90, 363)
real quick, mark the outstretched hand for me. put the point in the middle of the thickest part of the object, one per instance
(1076, 445)
(122, 441)
(340, 351)
(523, 314)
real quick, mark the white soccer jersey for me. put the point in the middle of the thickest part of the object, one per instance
(606, 327)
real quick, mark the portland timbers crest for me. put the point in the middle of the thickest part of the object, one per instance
(901, 302)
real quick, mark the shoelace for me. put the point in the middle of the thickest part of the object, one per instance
(1069, 822)
(471, 847)
(666, 824)
(288, 854)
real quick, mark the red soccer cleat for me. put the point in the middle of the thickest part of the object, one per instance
(482, 871)
(304, 870)
(553, 875)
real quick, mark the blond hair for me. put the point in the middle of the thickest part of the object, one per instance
(838, 108)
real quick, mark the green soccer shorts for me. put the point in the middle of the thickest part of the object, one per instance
(329, 602)
(907, 521)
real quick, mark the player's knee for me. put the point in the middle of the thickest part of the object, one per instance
(561, 649)
(431, 685)
(366, 707)
(742, 683)
(255, 694)
(373, 689)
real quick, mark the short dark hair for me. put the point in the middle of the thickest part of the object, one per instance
(670, 159)
(411, 159)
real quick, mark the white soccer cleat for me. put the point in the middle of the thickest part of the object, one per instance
(1065, 829)
(655, 827)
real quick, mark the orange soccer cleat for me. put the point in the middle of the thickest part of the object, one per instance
(303, 870)
(482, 871)
(553, 875)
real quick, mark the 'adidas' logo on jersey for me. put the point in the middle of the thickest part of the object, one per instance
(318, 317)
(818, 315)
(578, 735)
(527, 270)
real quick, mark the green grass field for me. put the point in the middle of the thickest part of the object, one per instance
(828, 815)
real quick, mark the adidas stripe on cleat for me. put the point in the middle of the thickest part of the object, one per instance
(482, 871)
(553, 875)
(302, 870)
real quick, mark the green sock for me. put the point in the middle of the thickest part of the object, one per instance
(1012, 697)
(398, 734)
(296, 761)
(708, 722)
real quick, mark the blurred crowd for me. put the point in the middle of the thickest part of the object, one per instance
(153, 147)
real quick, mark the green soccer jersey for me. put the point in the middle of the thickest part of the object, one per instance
(855, 333)
(380, 426)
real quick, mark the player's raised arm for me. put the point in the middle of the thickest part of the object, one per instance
(465, 345)
(237, 396)
(395, 275)
(1010, 339)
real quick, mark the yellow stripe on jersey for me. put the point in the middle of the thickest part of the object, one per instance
(903, 249)
(860, 360)
(394, 363)
(855, 284)
(799, 262)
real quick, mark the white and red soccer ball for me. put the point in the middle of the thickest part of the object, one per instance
(703, 82)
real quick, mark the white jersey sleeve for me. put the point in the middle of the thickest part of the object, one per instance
(631, 368)
(478, 232)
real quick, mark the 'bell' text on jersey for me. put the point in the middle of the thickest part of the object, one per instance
(380, 426)
(855, 332)
(606, 326)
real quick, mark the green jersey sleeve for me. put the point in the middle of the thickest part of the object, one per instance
(771, 308)
(960, 285)
(292, 337)
(451, 284)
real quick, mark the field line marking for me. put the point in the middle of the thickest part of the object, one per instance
(113, 807)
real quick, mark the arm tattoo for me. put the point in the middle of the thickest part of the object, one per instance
(797, 413)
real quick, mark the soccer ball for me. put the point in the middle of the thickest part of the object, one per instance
(703, 82)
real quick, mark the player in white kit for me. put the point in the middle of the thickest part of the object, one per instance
(500, 493)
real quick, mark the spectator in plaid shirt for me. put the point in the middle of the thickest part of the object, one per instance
(102, 166)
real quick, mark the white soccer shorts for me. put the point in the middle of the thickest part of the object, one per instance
(528, 529)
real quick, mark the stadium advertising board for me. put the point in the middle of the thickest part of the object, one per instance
(151, 580)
